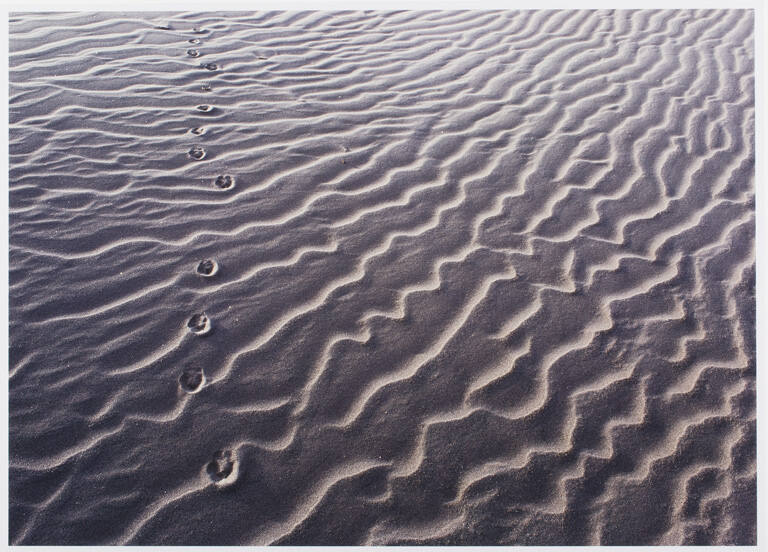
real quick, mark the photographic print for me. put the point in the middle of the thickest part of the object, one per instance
(362, 278)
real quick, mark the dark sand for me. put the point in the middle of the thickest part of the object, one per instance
(475, 278)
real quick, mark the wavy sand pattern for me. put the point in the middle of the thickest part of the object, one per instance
(382, 278)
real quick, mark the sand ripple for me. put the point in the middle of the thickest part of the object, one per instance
(463, 278)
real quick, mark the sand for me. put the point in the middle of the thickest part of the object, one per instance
(366, 278)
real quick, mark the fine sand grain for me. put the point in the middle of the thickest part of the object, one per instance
(344, 278)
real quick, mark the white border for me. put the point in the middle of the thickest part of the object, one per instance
(330, 5)
(761, 210)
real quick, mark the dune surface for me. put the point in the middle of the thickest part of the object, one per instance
(368, 278)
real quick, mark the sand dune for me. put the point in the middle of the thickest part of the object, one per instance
(378, 278)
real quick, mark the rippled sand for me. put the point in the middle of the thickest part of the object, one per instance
(382, 278)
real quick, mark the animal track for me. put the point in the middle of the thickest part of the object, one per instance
(192, 380)
(193, 53)
(196, 153)
(194, 41)
(224, 182)
(221, 467)
(205, 87)
(207, 268)
(199, 324)
(198, 30)
(210, 66)
(204, 108)
(198, 130)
